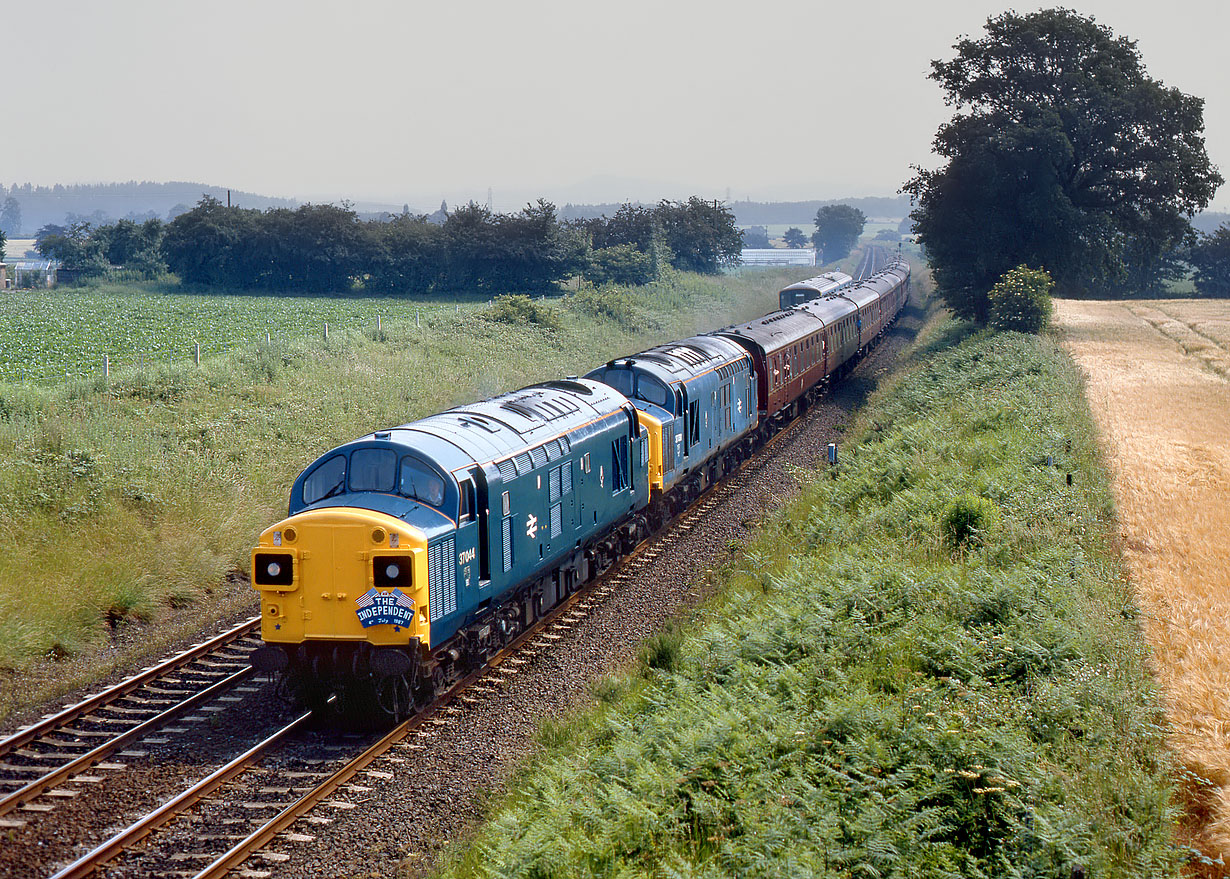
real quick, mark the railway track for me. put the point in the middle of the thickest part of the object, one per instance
(232, 816)
(51, 760)
(873, 259)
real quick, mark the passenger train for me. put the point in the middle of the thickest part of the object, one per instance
(412, 554)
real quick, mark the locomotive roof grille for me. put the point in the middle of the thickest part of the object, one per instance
(537, 408)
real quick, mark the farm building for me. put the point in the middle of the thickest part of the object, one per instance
(33, 272)
(5, 284)
(776, 256)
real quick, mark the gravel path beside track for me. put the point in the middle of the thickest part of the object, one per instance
(398, 825)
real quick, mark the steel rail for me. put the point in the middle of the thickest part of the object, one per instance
(267, 832)
(86, 865)
(112, 694)
(264, 834)
(88, 759)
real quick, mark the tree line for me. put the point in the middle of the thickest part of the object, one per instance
(328, 248)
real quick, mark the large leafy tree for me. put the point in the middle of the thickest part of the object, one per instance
(795, 238)
(702, 235)
(75, 246)
(211, 244)
(1063, 153)
(837, 229)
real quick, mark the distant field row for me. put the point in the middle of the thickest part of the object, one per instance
(58, 334)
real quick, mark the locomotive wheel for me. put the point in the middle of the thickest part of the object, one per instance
(396, 697)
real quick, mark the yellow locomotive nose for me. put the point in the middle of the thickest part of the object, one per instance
(342, 574)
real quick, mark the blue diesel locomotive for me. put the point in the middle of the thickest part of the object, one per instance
(411, 555)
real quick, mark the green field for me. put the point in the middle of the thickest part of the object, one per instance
(48, 335)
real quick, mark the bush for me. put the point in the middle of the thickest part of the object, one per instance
(966, 521)
(1021, 301)
(609, 302)
(519, 309)
(621, 264)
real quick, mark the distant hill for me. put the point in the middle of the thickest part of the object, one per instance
(765, 213)
(108, 202)
(803, 213)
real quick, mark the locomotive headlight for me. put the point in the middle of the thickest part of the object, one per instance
(273, 569)
(389, 571)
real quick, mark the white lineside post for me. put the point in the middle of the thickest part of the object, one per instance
(326, 331)
(196, 352)
(268, 340)
(106, 365)
(416, 318)
(379, 325)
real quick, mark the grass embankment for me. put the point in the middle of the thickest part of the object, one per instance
(931, 666)
(124, 498)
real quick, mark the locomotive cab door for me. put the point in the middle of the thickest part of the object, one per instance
(473, 569)
(681, 421)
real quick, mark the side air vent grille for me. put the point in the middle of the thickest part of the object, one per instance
(442, 579)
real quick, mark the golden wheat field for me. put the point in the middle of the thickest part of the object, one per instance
(1159, 383)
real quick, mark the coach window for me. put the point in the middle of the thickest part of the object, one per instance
(373, 470)
(328, 479)
(420, 482)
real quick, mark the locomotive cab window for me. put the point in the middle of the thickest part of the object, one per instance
(327, 480)
(420, 482)
(468, 504)
(619, 379)
(373, 470)
(653, 391)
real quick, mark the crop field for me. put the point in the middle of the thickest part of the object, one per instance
(50, 335)
(17, 247)
(1158, 378)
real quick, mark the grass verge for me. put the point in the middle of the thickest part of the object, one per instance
(929, 666)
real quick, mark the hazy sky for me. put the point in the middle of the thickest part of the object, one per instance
(415, 101)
